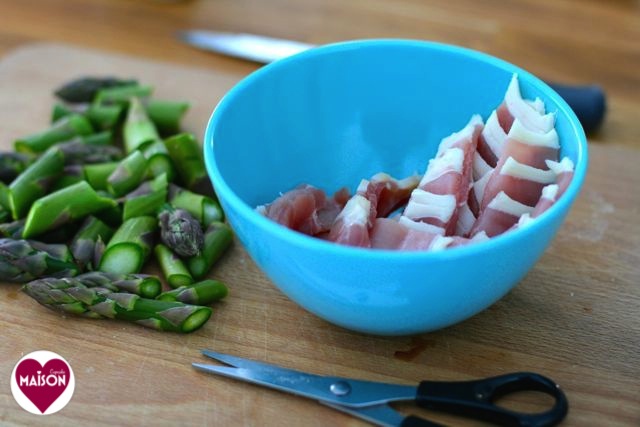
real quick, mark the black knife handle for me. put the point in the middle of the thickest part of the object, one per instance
(588, 102)
(476, 399)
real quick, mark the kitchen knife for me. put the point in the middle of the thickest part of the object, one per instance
(587, 101)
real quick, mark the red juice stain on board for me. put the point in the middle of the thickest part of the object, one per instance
(417, 346)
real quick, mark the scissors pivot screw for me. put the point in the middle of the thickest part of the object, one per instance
(340, 388)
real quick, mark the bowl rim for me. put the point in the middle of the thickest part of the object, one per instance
(296, 238)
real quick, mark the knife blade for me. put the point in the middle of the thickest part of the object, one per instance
(587, 101)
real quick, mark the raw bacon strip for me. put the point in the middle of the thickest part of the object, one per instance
(548, 198)
(466, 219)
(500, 215)
(305, 209)
(445, 185)
(522, 170)
(531, 148)
(352, 225)
(563, 171)
(387, 193)
(389, 234)
(531, 114)
(431, 208)
(491, 141)
(520, 182)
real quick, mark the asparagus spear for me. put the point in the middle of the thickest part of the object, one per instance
(173, 268)
(203, 208)
(33, 183)
(76, 151)
(59, 111)
(98, 174)
(202, 293)
(143, 285)
(12, 164)
(62, 130)
(63, 206)
(187, 158)
(138, 130)
(25, 260)
(69, 295)
(158, 160)
(12, 229)
(166, 115)
(217, 239)
(84, 89)
(128, 174)
(147, 199)
(104, 116)
(180, 231)
(122, 94)
(83, 245)
(130, 246)
(99, 138)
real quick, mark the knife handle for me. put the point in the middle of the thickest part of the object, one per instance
(588, 102)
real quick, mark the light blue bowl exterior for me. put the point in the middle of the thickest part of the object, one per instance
(339, 113)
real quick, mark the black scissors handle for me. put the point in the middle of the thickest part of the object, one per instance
(476, 399)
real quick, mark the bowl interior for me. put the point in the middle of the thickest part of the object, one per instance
(330, 117)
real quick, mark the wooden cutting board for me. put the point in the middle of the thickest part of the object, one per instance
(574, 318)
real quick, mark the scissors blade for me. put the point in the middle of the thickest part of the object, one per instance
(336, 390)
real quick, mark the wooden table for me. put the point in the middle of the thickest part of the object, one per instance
(575, 317)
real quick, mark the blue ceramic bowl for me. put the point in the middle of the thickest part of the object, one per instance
(339, 113)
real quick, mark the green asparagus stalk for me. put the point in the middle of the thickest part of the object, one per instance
(59, 111)
(98, 174)
(83, 245)
(173, 268)
(180, 231)
(4, 197)
(69, 295)
(130, 246)
(4, 214)
(99, 138)
(85, 89)
(122, 94)
(104, 116)
(217, 239)
(166, 115)
(128, 174)
(64, 206)
(72, 175)
(158, 160)
(76, 151)
(25, 260)
(13, 229)
(147, 199)
(205, 292)
(203, 208)
(187, 158)
(13, 164)
(34, 182)
(138, 130)
(62, 130)
(143, 285)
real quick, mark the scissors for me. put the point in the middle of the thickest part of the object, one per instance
(369, 400)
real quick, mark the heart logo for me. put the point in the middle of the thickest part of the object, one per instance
(42, 384)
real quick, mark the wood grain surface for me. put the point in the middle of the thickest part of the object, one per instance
(573, 318)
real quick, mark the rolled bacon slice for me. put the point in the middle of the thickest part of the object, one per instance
(530, 113)
(409, 235)
(352, 225)
(490, 144)
(445, 185)
(306, 209)
(387, 193)
(563, 171)
(522, 171)
(500, 215)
